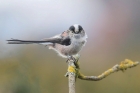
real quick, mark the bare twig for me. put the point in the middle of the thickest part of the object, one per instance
(71, 83)
(72, 75)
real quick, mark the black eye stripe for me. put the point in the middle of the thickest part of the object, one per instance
(80, 28)
(72, 28)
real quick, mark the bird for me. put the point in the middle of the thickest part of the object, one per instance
(67, 44)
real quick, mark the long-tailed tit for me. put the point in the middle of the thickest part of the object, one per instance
(66, 44)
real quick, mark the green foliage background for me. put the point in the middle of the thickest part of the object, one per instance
(39, 71)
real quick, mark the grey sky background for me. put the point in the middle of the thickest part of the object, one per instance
(111, 25)
(37, 19)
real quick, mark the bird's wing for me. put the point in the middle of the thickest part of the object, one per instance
(62, 39)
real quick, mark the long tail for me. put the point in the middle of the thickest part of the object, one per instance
(17, 41)
(45, 41)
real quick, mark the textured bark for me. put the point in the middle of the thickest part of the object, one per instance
(73, 72)
(71, 83)
(123, 66)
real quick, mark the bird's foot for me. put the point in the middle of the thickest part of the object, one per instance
(72, 58)
(73, 64)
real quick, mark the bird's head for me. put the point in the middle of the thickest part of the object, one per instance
(76, 29)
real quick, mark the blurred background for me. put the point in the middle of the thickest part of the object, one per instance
(113, 28)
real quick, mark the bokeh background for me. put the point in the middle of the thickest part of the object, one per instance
(113, 28)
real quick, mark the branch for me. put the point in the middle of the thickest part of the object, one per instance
(72, 76)
(122, 67)
(73, 71)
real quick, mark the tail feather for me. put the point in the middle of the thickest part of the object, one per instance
(45, 41)
(17, 41)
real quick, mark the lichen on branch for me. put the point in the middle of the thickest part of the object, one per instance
(121, 67)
